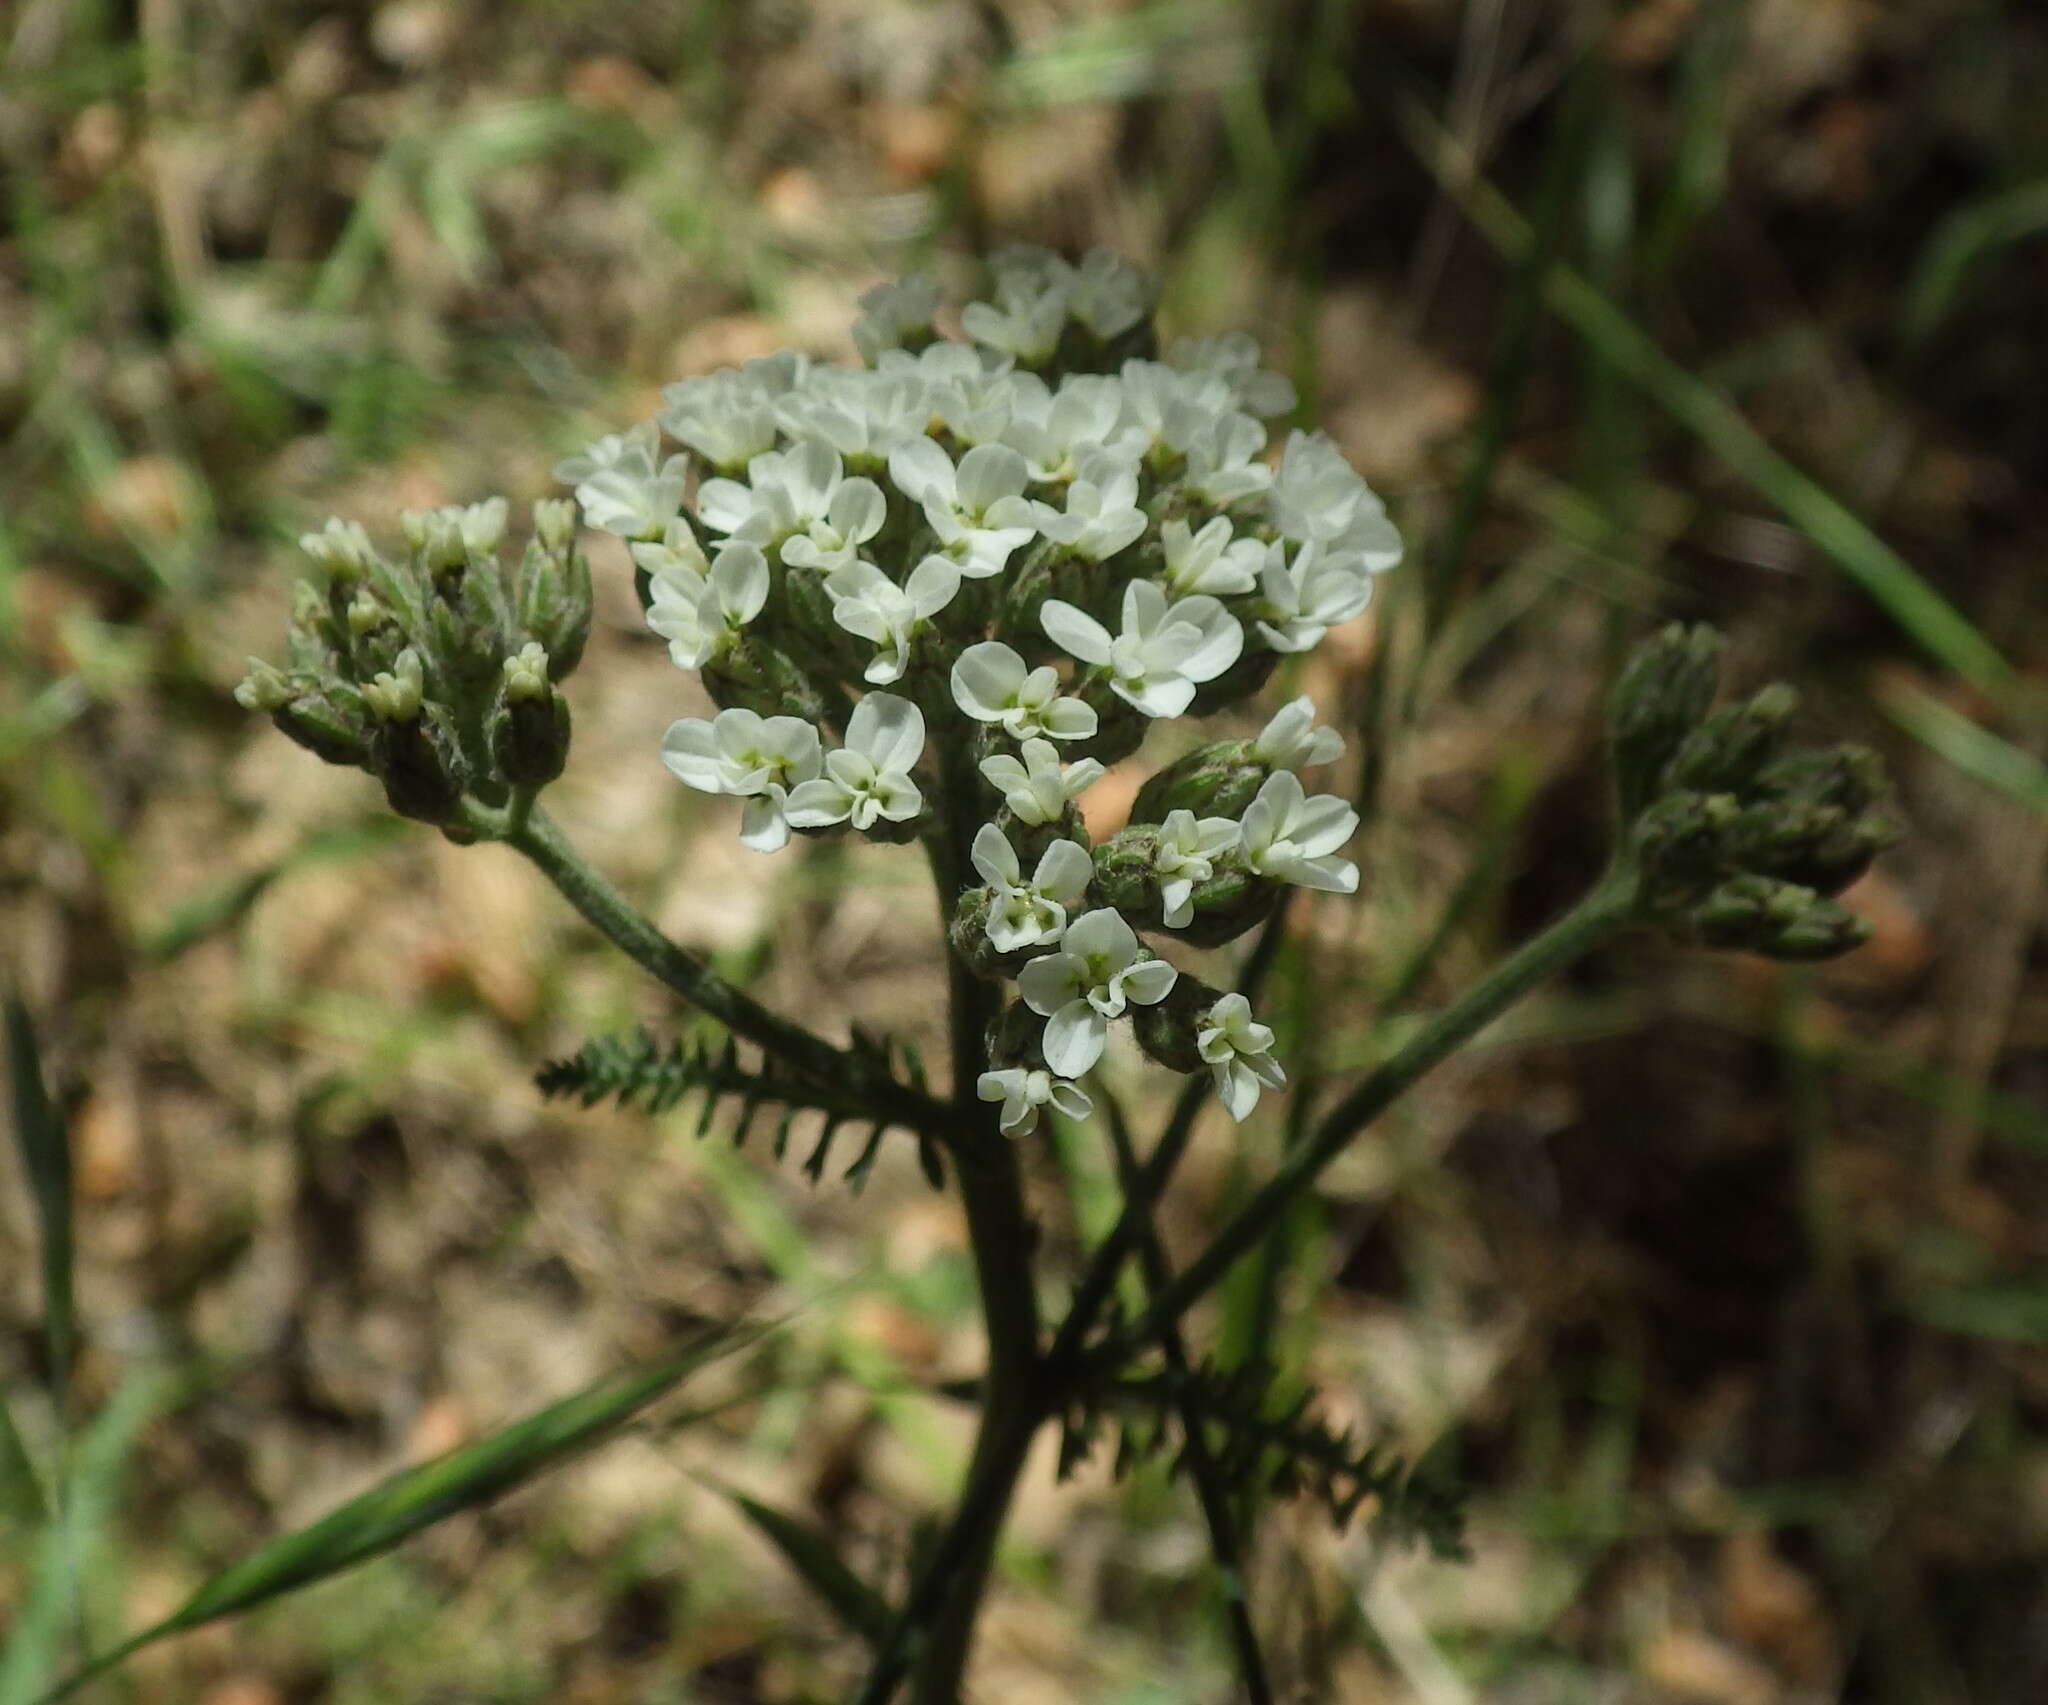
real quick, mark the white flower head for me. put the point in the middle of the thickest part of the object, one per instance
(991, 684)
(1102, 514)
(728, 417)
(1292, 741)
(1289, 837)
(1210, 561)
(699, 614)
(1094, 976)
(758, 758)
(1164, 651)
(1030, 913)
(1024, 1091)
(893, 313)
(1036, 789)
(1302, 600)
(633, 497)
(1032, 289)
(1054, 429)
(1223, 464)
(978, 509)
(1185, 854)
(869, 776)
(1239, 1053)
(865, 601)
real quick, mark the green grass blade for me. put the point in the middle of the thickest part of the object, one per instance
(221, 905)
(1936, 625)
(70, 1547)
(1969, 746)
(808, 1551)
(2007, 1313)
(46, 1158)
(417, 1498)
(1966, 236)
(22, 1504)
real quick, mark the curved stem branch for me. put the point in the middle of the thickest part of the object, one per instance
(1596, 917)
(534, 834)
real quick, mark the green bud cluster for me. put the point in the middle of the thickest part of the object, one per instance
(1740, 841)
(438, 674)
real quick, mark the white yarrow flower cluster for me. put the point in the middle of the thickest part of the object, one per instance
(936, 595)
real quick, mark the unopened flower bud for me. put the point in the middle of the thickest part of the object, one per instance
(366, 613)
(264, 688)
(341, 549)
(1662, 695)
(482, 525)
(1218, 779)
(1731, 745)
(331, 720)
(750, 675)
(554, 523)
(529, 726)
(1681, 841)
(394, 696)
(1780, 920)
(526, 673)
(421, 766)
(1170, 1031)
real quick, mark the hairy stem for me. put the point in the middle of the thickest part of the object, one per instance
(535, 834)
(1596, 917)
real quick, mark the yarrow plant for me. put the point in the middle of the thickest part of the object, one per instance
(934, 597)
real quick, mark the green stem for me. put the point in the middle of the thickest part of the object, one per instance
(535, 834)
(1596, 917)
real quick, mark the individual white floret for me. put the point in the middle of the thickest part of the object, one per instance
(727, 417)
(1292, 741)
(637, 446)
(1032, 289)
(1053, 429)
(1023, 1092)
(1165, 408)
(978, 509)
(865, 601)
(1102, 514)
(1107, 294)
(785, 492)
(1239, 1053)
(757, 758)
(1030, 913)
(1210, 561)
(869, 776)
(981, 409)
(1318, 496)
(1234, 358)
(341, 548)
(1035, 788)
(1302, 599)
(853, 515)
(1164, 651)
(1289, 837)
(893, 313)
(699, 614)
(634, 498)
(1095, 975)
(1186, 853)
(859, 413)
(1222, 459)
(992, 684)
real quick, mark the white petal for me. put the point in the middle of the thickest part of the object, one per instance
(1237, 1087)
(762, 824)
(818, 804)
(1064, 870)
(1074, 1038)
(931, 585)
(1074, 631)
(1102, 933)
(1048, 982)
(887, 729)
(1148, 982)
(920, 469)
(1071, 1100)
(690, 750)
(740, 578)
(995, 858)
(986, 679)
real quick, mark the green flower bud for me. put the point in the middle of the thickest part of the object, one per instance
(529, 726)
(1124, 874)
(1681, 842)
(1016, 1037)
(1661, 697)
(1780, 920)
(331, 720)
(422, 768)
(1167, 1031)
(554, 602)
(752, 675)
(1119, 727)
(1731, 745)
(1218, 779)
(1229, 903)
(395, 696)
(554, 524)
(264, 688)
(341, 550)
(968, 933)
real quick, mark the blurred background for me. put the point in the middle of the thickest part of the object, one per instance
(1722, 1285)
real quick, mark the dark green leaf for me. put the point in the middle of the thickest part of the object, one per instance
(814, 1557)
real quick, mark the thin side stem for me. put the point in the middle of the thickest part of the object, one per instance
(534, 834)
(1593, 920)
(1211, 1492)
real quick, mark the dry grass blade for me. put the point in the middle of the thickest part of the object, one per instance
(417, 1498)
